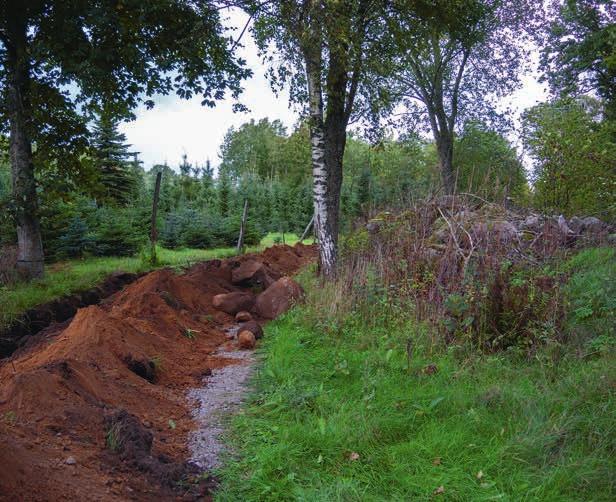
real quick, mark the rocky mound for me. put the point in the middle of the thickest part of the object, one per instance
(120, 370)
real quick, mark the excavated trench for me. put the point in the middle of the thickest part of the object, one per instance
(45, 316)
(126, 400)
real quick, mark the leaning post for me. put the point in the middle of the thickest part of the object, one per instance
(240, 240)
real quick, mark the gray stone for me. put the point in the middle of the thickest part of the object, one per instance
(592, 225)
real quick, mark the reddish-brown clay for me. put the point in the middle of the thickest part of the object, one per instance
(130, 353)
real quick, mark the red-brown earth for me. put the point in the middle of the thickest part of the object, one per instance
(140, 350)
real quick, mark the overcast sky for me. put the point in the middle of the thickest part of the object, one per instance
(176, 126)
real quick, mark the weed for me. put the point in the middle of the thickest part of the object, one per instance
(10, 417)
(189, 333)
(113, 437)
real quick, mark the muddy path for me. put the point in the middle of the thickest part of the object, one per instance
(123, 401)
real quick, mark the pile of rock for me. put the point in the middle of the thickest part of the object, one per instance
(268, 296)
(467, 224)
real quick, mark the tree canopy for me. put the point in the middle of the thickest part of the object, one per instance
(61, 61)
(579, 49)
(451, 63)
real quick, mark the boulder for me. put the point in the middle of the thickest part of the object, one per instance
(253, 273)
(246, 340)
(501, 231)
(592, 225)
(532, 223)
(278, 298)
(576, 225)
(232, 303)
(562, 226)
(243, 316)
(254, 327)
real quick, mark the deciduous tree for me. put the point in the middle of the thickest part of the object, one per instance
(579, 49)
(58, 58)
(322, 51)
(453, 61)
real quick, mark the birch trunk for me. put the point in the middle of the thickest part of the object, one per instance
(325, 222)
(30, 245)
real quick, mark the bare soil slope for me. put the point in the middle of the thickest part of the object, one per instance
(138, 351)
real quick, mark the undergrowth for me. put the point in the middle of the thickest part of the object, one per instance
(368, 403)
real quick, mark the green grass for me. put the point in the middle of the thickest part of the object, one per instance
(76, 275)
(342, 417)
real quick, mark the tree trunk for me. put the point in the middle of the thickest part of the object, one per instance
(444, 147)
(325, 216)
(29, 241)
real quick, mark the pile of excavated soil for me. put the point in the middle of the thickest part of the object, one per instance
(97, 408)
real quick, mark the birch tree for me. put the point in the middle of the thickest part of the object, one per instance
(322, 52)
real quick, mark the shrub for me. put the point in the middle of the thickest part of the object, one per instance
(117, 233)
(77, 241)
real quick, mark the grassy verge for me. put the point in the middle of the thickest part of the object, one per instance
(345, 416)
(76, 275)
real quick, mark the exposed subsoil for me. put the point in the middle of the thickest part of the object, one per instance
(58, 311)
(96, 408)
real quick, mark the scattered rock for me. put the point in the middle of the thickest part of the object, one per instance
(252, 273)
(232, 303)
(278, 298)
(576, 225)
(532, 223)
(562, 226)
(243, 316)
(254, 327)
(246, 340)
(70, 461)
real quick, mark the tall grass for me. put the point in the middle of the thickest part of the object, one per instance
(368, 403)
(464, 268)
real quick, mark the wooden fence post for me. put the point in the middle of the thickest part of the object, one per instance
(240, 241)
(153, 230)
(305, 234)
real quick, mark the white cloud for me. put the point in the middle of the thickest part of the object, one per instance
(176, 126)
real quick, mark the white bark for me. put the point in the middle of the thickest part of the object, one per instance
(322, 223)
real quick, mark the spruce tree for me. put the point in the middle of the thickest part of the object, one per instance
(117, 183)
(224, 193)
(207, 184)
